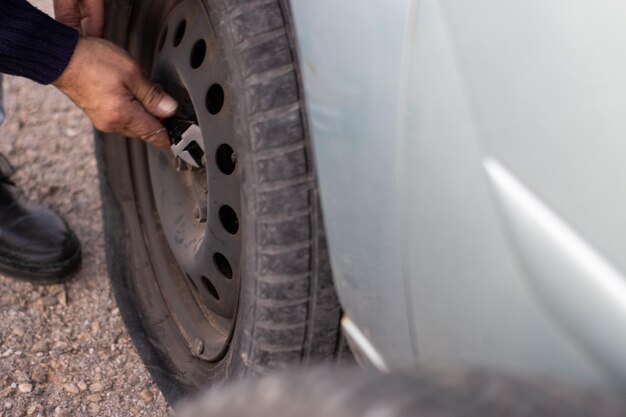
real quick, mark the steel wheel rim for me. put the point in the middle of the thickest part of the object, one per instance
(196, 210)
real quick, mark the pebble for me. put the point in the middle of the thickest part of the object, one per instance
(62, 298)
(48, 301)
(96, 387)
(25, 388)
(39, 375)
(82, 386)
(146, 395)
(21, 376)
(94, 398)
(61, 412)
(71, 388)
(94, 408)
(5, 392)
(40, 347)
(19, 331)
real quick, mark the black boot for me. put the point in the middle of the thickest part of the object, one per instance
(35, 243)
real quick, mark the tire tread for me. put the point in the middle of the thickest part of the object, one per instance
(295, 307)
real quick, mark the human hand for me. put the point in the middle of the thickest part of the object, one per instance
(105, 82)
(85, 15)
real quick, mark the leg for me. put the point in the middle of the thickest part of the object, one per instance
(35, 243)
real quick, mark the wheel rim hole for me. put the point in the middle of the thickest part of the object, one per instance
(180, 32)
(215, 99)
(192, 282)
(198, 53)
(225, 158)
(163, 38)
(223, 265)
(210, 287)
(229, 219)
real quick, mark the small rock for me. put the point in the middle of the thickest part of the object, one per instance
(5, 392)
(82, 386)
(95, 327)
(21, 376)
(94, 398)
(39, 375)
(146, 395)
(9, 300)
(94, 408)
(96, 387)
(8, 404)
(49, 300)
(55, 377)
(62, 298)
(19, 331)
(25, 388)
(71, 388)
(60, 345)
(40, 346)
(32, 409)
(61, 412)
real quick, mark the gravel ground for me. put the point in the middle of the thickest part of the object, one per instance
(64, 350)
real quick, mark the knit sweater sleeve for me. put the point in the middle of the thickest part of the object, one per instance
(32, 44)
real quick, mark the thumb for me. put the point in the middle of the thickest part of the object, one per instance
(153, 98)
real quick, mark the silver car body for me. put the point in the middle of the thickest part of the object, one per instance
(472, 165)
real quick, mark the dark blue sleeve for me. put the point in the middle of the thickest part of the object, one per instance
(32, 44)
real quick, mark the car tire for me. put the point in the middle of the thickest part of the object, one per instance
(286, 311)
(425, 393)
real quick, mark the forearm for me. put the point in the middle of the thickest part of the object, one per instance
(32, 44)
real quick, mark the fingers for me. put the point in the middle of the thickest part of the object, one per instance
(153, 98)
(92, 17)
(67, 12)
(104, 81)
(145, 126)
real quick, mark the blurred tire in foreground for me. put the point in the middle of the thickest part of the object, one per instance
(351, 393)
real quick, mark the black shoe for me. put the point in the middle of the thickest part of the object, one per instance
(35, 243)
